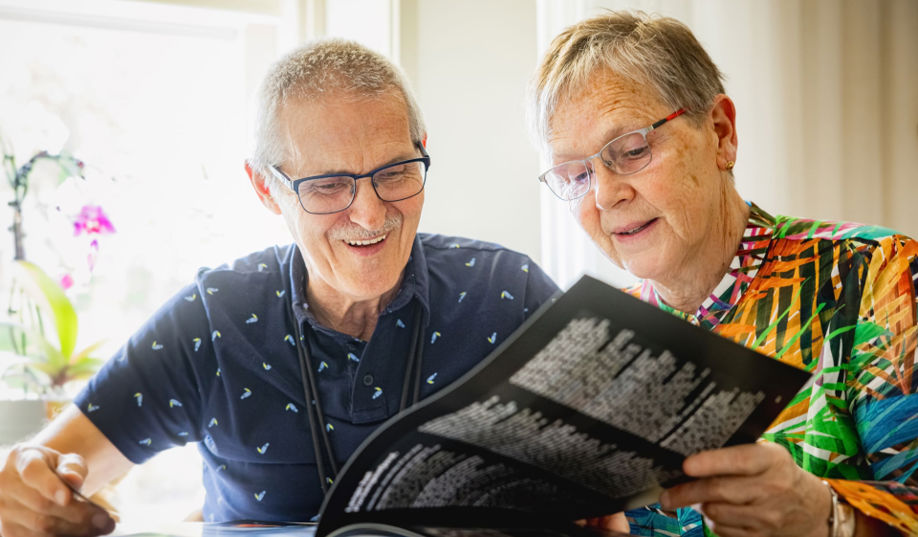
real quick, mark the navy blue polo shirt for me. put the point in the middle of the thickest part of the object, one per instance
(217, 365)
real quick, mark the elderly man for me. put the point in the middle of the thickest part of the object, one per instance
(282, 362)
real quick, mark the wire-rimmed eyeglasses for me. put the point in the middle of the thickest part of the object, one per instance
(624, 155)
(335, 192)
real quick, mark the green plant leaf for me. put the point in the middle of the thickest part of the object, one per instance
(69, 167)
(84, 355)
(82, 364)
(9, 168)
(11, 337)
(59, 369)
(83, 370)
(65, 317)
(51, 360)
(25, 377)
(11, 366)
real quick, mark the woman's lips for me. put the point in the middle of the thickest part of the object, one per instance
(633, 229)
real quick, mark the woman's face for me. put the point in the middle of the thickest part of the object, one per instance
(661, 221)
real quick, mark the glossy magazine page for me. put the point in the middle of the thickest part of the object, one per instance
(587, 409)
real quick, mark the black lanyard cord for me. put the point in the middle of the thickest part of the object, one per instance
(321, 444)
(411, 382)
(416, 393)
(314, 409)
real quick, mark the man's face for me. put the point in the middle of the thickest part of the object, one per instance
(357, 254)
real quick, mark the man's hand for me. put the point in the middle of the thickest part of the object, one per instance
(35, 501)
(753, 489)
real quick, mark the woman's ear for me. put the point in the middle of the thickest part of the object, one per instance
(723, 117)
(260, 184)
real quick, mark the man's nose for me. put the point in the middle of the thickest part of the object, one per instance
(367, 209)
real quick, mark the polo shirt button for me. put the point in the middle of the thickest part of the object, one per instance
(368, 380)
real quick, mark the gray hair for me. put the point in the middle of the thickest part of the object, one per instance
(658, 52)
(322, 68)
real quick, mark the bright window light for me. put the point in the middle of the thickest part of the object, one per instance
(155, 99)
(158, 111)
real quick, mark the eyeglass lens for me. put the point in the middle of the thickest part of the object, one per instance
(625, 155)
(392, 183)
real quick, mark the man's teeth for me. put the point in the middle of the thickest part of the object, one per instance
(366, 242)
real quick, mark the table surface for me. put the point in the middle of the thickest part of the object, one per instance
(199, 529)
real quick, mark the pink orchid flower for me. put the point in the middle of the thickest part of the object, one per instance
(92, 221)
(66, 281)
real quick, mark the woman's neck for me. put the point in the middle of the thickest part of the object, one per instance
(692, 285)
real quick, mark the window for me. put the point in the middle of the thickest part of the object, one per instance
(155, 99)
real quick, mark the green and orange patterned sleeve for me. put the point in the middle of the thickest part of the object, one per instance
(881, 385)
(837, 299)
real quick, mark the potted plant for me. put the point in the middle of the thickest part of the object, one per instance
(42, 356)
(39, 358)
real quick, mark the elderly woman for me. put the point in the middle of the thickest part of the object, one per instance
(642, 140)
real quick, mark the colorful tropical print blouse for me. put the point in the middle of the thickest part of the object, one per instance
(837, 299)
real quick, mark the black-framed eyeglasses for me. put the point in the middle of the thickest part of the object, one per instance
(335, 192)
(624, 155)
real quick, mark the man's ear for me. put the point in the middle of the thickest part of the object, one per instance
(723, 115)
(260, 184)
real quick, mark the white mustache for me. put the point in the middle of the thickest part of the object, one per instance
(357, 233)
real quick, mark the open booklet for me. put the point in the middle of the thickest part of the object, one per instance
(587, 409)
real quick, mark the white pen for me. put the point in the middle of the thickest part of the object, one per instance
(80, 495)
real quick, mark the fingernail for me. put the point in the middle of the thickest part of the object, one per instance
(61, 498)
(101, 521)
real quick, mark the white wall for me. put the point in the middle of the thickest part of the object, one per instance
(470, 62)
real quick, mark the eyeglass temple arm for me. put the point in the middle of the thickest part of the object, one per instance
(281, 175)
(422, 149)
(672, 116)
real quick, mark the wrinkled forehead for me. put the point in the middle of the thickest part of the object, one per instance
(603, 104)
(344, 132)
(345, 114)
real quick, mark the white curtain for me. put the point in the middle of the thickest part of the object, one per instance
(827, 110)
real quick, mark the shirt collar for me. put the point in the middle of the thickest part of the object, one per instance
(743, 268)
(415, 284)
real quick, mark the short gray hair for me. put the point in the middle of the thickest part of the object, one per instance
(659, 52)
(321, 68)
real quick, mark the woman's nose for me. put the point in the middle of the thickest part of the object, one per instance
(609, 188)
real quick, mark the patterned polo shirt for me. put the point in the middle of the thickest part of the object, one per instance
(837, 299)
(217, 365)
